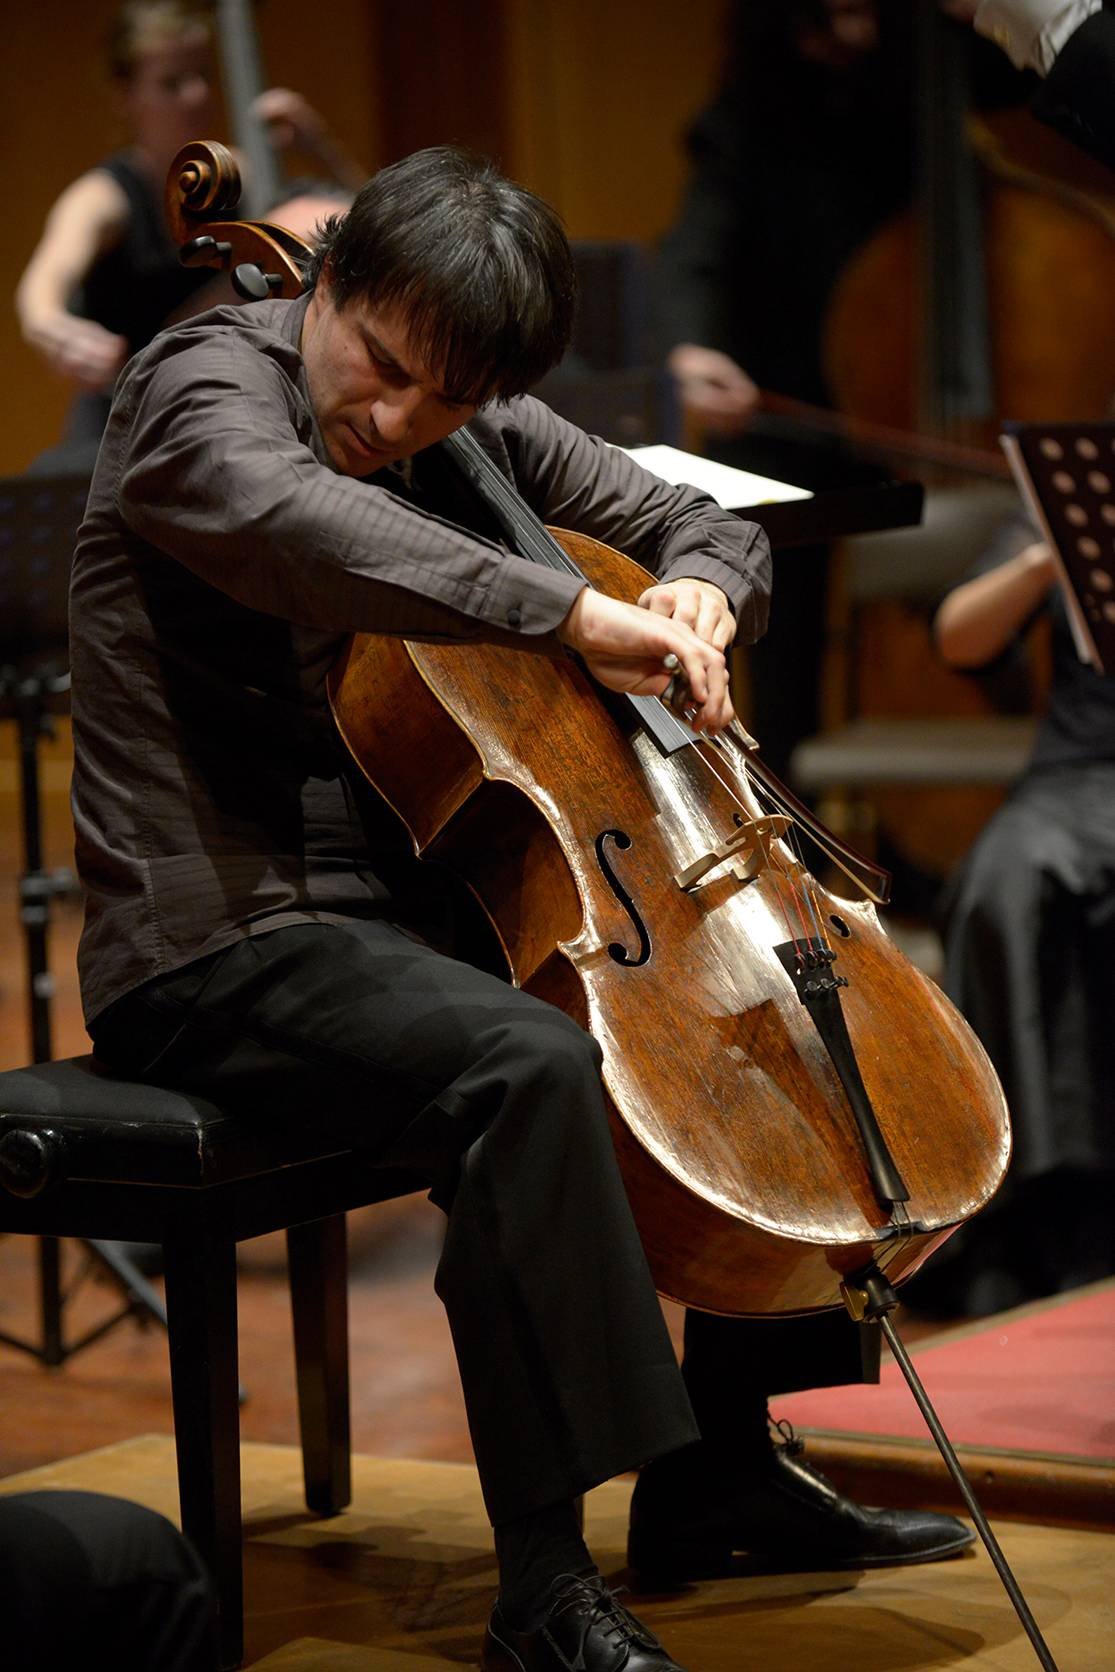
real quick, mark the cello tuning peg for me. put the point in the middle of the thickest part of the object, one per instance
(201, 249)
(252, 284)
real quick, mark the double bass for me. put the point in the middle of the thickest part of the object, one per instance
(800, 1115)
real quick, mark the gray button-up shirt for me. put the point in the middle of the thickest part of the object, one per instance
(220, 567)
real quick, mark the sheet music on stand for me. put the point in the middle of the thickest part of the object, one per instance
(1066, 475)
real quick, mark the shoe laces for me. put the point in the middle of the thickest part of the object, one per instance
(607, 1611)
(793, 1447)
(788, 1440)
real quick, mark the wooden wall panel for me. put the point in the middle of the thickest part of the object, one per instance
(583, 102)
(600, 96)
(57, 117)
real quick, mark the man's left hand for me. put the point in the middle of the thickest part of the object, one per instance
(699, 605)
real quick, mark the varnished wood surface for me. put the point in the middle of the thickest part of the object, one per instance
(745, 1169)
(404, 1580)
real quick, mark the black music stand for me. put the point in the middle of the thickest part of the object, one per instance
(1066, 475)
(39, 516)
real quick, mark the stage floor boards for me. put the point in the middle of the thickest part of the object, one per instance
(402, 1582)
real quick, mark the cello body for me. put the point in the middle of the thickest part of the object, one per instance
(743, 1163)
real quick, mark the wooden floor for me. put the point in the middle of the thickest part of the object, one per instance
(404, 1580)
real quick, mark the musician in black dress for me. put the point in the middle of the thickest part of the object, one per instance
(1028, 941)
(105, 276)
(805, 152)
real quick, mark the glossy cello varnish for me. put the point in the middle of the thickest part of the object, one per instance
(743, 1161)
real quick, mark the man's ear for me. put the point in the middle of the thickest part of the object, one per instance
(324, 285)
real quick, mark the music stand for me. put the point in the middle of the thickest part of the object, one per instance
(39, 516)
(1066, 475)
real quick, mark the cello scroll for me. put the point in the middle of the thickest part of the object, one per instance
(203, 188)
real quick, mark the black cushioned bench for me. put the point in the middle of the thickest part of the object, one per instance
(84, 1154)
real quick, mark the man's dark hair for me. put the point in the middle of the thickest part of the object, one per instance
(480, 266)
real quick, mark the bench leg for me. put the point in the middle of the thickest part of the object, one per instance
(319, 1302)
(201, 1324)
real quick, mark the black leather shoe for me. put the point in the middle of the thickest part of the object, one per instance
(586, 1630)
(791, 1520)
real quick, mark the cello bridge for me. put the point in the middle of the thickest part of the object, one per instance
(749, 845)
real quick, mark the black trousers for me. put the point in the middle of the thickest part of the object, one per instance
(95, 1582)
(494, 1097)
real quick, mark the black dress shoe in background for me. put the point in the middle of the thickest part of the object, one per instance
(790, 1519)
(586, 1630)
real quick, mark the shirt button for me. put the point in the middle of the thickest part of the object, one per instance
(514, 618)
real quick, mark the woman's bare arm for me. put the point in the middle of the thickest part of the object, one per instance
(88, 218)
(980, 617)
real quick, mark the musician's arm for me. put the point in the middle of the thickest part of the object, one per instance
(577, 481)
(980, 617)
(89, 217)
(294, 124)
(217, 469)
(696, 279)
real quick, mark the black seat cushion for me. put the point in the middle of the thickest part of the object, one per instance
(106, 1128)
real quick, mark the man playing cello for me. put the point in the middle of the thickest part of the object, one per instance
(257, 931)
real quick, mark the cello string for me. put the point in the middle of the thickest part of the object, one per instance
(803, 883)
(529, 533)
(778, 867)
(761, 791)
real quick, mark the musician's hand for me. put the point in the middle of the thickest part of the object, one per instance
(80, 349)
(625, 648)
(290, 119)
(713, 388)
(700, 605)
(963, 10)
(293, 123)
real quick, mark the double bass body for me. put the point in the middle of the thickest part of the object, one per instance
(744, 1165)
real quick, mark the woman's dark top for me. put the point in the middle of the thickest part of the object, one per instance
(134, 288)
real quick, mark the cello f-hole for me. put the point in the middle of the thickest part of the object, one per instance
(616, 950)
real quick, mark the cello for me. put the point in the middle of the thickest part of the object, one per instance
(799, 1114)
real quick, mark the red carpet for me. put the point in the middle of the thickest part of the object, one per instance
(1040, 1379)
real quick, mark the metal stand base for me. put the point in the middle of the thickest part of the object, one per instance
(26, 695)
(142, 1300)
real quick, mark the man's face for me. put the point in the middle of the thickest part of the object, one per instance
(374, 399)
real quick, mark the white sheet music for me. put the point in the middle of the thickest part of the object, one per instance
(732, 489)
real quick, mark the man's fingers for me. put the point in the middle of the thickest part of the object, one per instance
(660, 600)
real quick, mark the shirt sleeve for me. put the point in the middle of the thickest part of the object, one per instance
(217, 469)
(573, 480)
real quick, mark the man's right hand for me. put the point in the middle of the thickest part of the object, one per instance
(625, 647)
(712, 388)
